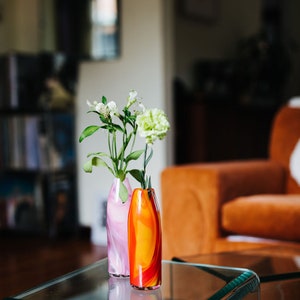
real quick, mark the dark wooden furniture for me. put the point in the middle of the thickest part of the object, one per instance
(28, 261)
(216, 132)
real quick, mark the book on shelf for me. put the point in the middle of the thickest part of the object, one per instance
(21, 203)
(23, 77)
(61, 133)
(56, 140)
(3, 214)
(16, 139)
(30, 142)
(19, 142)
(20, 81)
(3, 82)
(61, 205)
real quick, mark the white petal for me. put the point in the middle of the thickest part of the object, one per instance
(295, 163)
(132, 94)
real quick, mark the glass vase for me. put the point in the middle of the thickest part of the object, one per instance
(144, 240)
(116, 226)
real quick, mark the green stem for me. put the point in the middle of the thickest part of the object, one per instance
(115, 151)
(144, 183)
(124, 145)
(134, 138)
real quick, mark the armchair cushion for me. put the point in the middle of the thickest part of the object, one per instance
(266, 216)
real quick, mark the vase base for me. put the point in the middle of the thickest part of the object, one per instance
(147, 288)
(118, 275)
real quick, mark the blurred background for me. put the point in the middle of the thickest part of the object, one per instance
(220, 68)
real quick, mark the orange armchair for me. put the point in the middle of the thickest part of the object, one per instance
(212, 207)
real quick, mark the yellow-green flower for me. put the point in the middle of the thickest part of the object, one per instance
(152, 125)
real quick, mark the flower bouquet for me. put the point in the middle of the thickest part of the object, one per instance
(121, 128)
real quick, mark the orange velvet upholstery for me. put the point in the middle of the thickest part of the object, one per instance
(264, 216)
(285, 135)
(204, 205)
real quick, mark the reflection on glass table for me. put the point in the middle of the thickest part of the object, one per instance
(278, 268)
(179, 281)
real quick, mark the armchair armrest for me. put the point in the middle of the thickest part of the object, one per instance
(192, 196)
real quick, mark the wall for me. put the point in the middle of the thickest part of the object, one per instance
(292, 36)
(20, 28)
(27, 26)
(142, 67)
(196, 40)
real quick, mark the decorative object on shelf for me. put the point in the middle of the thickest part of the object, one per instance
(144, 225)
(121, 131)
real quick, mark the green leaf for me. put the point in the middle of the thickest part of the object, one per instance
(149, 157)
(93, 111)
(87, 167)
(97, 154)
(99, 162)
(121, 174)
(104, 100)
(103, 119)
(94, 162)
(137, 174)
(123, 193)
(106, 127)
(88, 131)
(111, 127)
(118, 127)
(134, 155)
(127, 112)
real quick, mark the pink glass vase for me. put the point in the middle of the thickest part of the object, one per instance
(144, 240)
(116, 226)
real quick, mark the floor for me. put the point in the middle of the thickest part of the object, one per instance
(28, 261)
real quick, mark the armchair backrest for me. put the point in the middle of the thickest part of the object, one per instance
(285, 134)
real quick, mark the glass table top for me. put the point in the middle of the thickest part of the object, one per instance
(269, 263)
(179, 281)
(278, 268)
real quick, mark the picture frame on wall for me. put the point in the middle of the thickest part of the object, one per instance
(202, 10)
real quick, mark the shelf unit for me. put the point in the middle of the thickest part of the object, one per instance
(37, 154)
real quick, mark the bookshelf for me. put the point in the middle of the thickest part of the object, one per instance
(37, 147)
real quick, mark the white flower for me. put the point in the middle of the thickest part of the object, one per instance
(105, 110)
(152, 125)
(133, 94)
(112, 107)
(93, 105)
(138, 108)
(142, 108)
(135, 101)
(132, 98)
(102, 109)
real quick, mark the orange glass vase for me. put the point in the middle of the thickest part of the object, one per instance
(144, 240)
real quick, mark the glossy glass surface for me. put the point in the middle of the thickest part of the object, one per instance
(270, 263)
(179, 281)
(278, 268)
